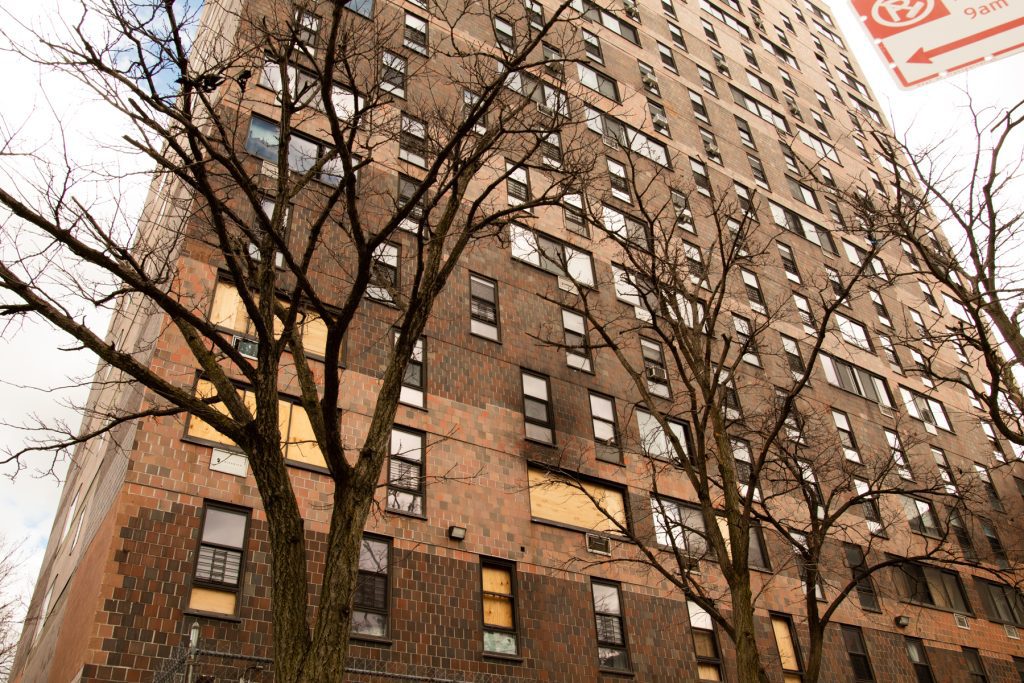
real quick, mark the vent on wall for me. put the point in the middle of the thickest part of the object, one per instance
(1011, 631)
(599, 545)
(961, 621)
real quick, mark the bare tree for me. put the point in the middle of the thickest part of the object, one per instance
(960, 217)
(11, 607)
(272, 138)
(733, 446)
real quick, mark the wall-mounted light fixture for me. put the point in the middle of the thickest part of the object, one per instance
(457, 533)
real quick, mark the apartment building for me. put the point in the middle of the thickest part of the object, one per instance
(479, 560)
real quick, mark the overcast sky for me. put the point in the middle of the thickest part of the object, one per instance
(36, 102)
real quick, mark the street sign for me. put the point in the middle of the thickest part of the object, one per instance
(928, 39)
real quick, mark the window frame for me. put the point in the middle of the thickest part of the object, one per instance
(419, 493)
(548, 422)
(195, 581)
(622, 647)
(388, 587)
(473, 317)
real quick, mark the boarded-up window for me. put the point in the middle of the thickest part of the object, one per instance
(229, 312)
(580, 504)
(298, 441)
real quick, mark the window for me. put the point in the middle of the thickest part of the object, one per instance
(858, 256)
(857, 563)
(598, 82)
(919, 659)
(575, 502)
(393, 73)
(880, 309)
(649, 78)
(372, 600)
(654, 368)
(412, 142)
(926, 409)
(307, 29)
(996, 545)
(853, 638)
(757, 170)
(535, 14)
(679, 527)
(803, 193)
(551, 150)
(383, 274)
(677, 36)
(921, 515)
(757, 557)
(552, 256)
(889, 353)
(803, 309)
(220, 560)
(573, 216)
(746, 136)
(744, 467)
(853, 332)
(709, 31)
(414, 381)
(869, 505)
(619, 181)
(537, 412)
(899, 456)
(963, 537)
(846, 438)
(617, 134)
(710, 145)
(794, 360)
(517, 184)
(706, 81)
(1018, 664)
(751, 58)
(624, 228)
(856, 380)
(483, 307)
(744, 340)
(303, 153)
(594, 13)
(753, 289)
(1003, 604)
(415, 36)
(761, 85)
(789, 262)
(611, 635)
(668, 60)
(668, 8)
(549, 99)
(800, 226)
(606, 431)
(592, 46)
(470, 105)
(945, 471)
(406, 485)
(705, 643)
(577, 347)
(655, 443)
(499, 607)
(700, 111)
(789, 649)
(407, 188)
(990, 489)
(659, 118)
(975, 669)
(681, 209)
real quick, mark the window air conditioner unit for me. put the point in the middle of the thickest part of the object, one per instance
(650, 82)
(712, 150)
(961, 622)
(659, 120)
(599, 545)
(631, 9)
(794, 110)
(888, 412)
(1011, 631)
(656, 374)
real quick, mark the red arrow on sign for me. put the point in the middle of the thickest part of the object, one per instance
(923, 56)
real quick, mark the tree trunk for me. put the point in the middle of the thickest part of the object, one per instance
(749, 668)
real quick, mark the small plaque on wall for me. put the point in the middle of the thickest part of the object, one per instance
(229, 462)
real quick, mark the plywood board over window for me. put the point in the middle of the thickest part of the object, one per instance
(554, 498)
(298, 441)
(229, 312)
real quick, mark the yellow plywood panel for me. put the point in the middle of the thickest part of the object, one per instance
(301, 445)
(198, 428)
(580, 504)
(709, 672)
(228, 310)
(497, 612)
(208, 600)
(784, 641)
(314, 335)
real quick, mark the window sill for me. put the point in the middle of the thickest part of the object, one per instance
(299, 465)
(480, 336)
(213, 615)
(937, 608)
(402, 513)
(370, 640)
(616, 672)
(422, 408)
(511, 659)
(549, 444)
